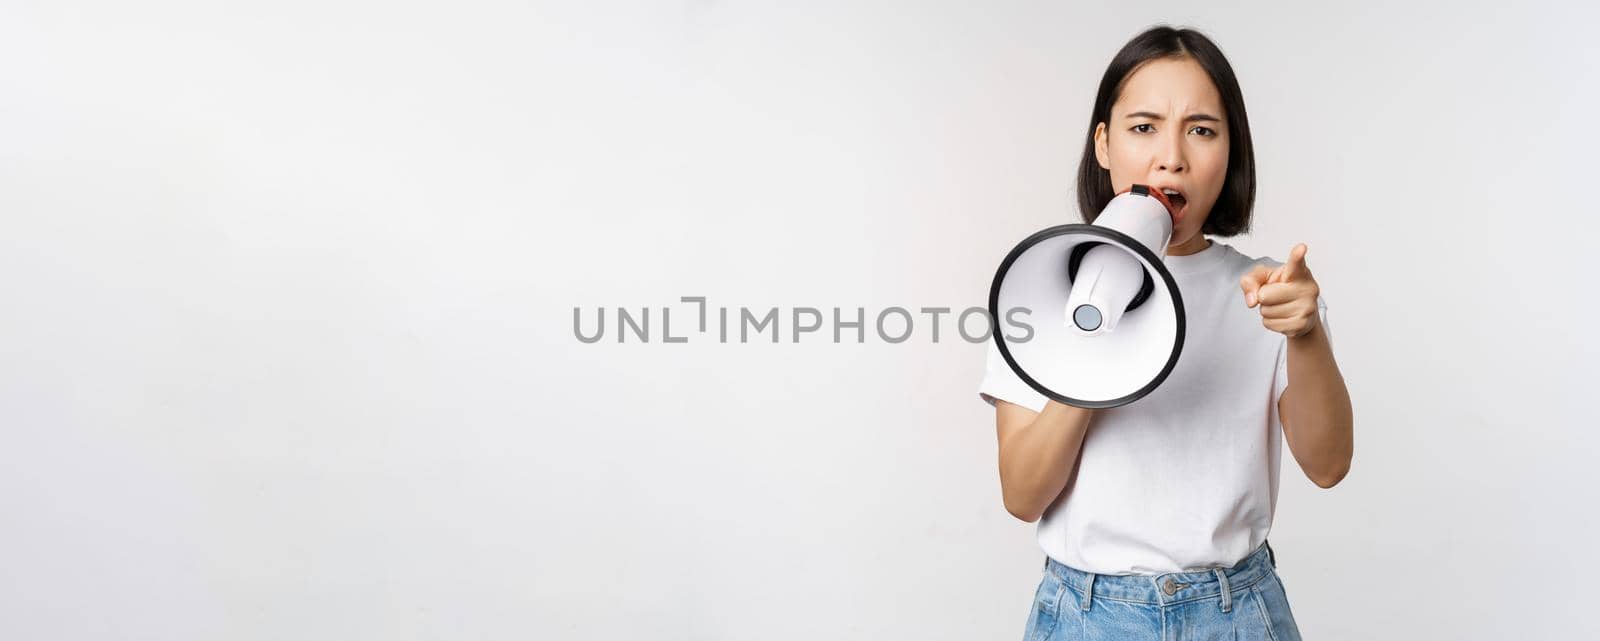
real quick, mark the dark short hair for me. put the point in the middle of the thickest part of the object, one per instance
(1230, 216)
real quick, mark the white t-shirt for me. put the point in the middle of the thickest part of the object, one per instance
(1185, 478)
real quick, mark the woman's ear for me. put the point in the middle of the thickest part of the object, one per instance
(1101, 155)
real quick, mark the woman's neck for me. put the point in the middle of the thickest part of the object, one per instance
(1192, 246)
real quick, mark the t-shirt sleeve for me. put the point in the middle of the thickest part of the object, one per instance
(1000, 382)
(1282, 382)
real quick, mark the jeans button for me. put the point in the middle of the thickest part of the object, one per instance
(1169, 586)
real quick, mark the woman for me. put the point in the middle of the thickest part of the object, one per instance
(1154, 516)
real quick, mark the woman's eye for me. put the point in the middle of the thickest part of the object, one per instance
(1143, 128)
(1203, 131)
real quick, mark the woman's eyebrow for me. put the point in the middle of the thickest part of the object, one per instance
(1191, 118)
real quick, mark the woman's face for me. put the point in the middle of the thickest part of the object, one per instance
(1168, 131)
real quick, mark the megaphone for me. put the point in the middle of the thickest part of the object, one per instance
(1108, 317)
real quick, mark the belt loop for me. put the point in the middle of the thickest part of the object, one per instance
(1270, 556)
(1227, 592)
(1088, 592)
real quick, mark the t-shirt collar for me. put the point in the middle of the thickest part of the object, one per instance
(1201, 260)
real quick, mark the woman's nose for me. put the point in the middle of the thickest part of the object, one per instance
(1171, 158)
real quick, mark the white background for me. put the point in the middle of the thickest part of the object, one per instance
(287, 348)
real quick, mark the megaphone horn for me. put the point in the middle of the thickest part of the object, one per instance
(1110, 316)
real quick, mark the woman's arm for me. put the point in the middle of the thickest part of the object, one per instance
(1315, 410)
(1038, 451)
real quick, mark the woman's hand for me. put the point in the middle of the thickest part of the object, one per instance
(1287, 295)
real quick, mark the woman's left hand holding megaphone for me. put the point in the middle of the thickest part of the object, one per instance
(1287, 294)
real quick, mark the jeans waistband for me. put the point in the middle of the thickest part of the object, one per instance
(1169, 588)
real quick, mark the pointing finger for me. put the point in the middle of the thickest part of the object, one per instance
(1296, 267)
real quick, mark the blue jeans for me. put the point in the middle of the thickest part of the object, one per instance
(1243, 602)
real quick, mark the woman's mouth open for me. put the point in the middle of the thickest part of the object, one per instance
(1176, 202)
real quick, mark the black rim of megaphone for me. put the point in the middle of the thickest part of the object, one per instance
(1126, 241)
